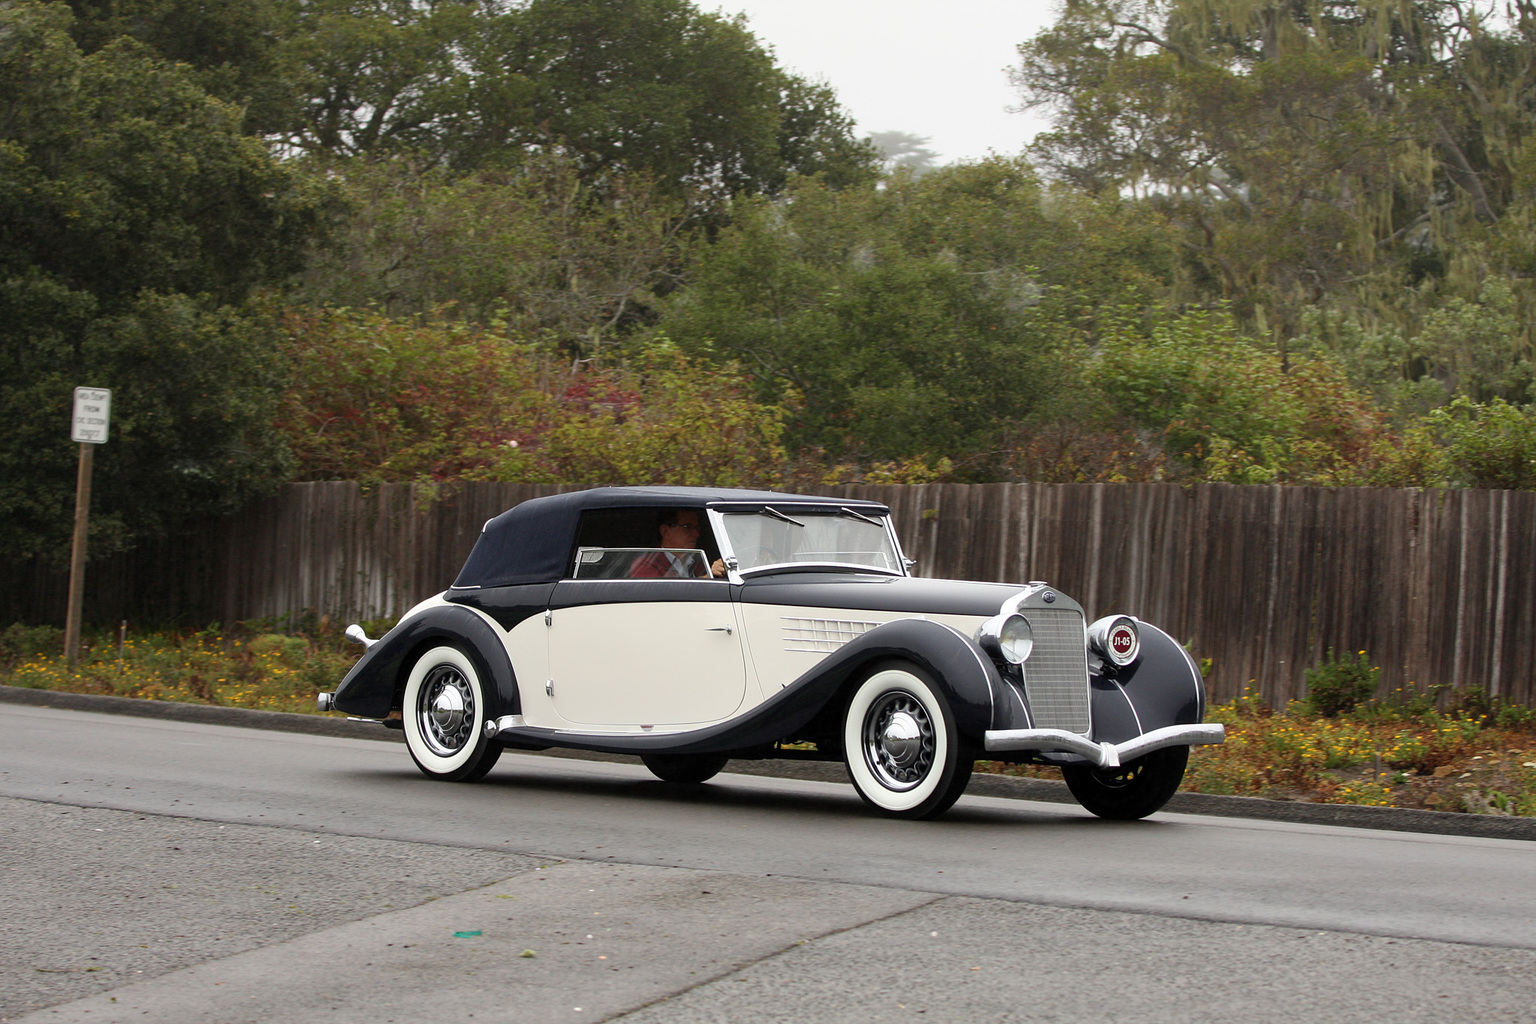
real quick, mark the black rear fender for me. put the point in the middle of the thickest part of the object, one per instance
(373, 688)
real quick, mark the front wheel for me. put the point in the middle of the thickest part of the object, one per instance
(900, 746)
(1133, 790)
(444, 717)
(684, 768)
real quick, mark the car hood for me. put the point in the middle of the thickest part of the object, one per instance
(873, 593)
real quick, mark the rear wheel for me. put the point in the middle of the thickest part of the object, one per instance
(444, 717)
(900, 746)
(686, 768)
(1133, 790)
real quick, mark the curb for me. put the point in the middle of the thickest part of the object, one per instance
(207, 714)
(1393, 819)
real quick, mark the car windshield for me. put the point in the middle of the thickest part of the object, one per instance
(798, 537)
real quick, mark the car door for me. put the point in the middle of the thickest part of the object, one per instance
(645, 652)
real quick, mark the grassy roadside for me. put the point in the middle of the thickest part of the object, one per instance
(1435, 751)
(273, 665)
(1427, 749)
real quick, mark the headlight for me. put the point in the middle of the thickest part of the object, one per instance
(1116, 639)
(1008, 637)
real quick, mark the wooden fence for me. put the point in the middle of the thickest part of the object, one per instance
(1439, 586)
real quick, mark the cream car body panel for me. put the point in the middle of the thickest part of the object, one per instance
(669, 663)
(786, 641)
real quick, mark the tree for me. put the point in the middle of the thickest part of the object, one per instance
(229, 46)
(664, 419)
(377, 399)
(651, 87)
(1225, 409)
(376, 76)
(904, 150)
(1309, 153)
(134, 217)
(816, 138)
(536, 248)
(856, 311)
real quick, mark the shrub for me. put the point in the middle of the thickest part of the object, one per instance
(1491, 446)
(18, 641)
(290, 651)
(1340, 684)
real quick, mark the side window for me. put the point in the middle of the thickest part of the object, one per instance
(643, 543)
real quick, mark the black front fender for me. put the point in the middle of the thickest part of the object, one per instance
(372, 689)
(1162, 688)
(969, 678)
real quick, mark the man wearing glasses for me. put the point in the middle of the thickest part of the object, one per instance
(680, 533)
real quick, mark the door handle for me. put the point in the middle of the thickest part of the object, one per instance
(727, 630)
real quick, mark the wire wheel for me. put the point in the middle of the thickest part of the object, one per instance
(898, 740)
(445, 710)
(444, 714)
(900, 745)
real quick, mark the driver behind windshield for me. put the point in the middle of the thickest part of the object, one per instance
(678, 529)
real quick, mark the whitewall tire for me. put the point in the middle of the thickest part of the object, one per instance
(444, 711)
(900, 746)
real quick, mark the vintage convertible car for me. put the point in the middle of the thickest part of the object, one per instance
(691, 626)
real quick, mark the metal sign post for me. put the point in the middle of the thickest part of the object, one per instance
(93, 408)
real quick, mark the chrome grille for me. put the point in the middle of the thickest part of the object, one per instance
(1056, 674)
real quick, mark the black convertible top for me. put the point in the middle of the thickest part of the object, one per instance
(532, 542)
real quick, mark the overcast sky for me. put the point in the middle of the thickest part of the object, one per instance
(926, 67)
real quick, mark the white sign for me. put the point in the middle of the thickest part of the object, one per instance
(93, 407)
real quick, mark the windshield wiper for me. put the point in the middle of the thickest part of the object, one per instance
(776, 514)
(857, 515)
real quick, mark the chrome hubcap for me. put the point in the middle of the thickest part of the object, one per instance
(446, 711)
(898, 740)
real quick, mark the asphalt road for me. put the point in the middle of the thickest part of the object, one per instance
(171, 871)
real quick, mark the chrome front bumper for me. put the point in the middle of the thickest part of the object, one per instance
(1105, 755)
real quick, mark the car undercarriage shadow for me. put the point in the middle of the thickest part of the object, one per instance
(729, 792)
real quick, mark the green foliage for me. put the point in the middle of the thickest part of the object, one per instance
(654, 87)
(1270, 244)
(1476, 348)
(1340, 684)
(121, 175)
(229, 46)
(1489, 709)
(287, 650)
(663, 420)
(1400, 751)
(1491, 445)
(1224, 408)
(234, 669)
(378, 400)
(133, 217)
(19, 641)
(897, 324)
(1334, 154)
(816, 138)
(550, 257)
(374, 76)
